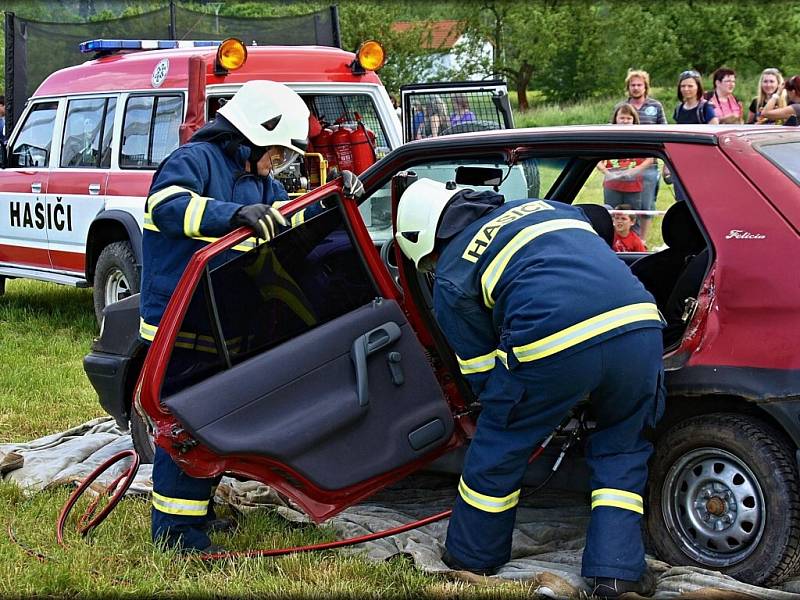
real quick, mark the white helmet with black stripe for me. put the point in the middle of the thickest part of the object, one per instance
(270, 114)
(419, 212)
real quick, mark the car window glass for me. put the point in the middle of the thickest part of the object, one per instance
(150, 130)
(637, 191)
(303, 278)
(83, 133)
(785, 156)
(32, 145)
(529, 178)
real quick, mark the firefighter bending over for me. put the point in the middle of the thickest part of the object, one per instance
(220, 180)
(541, 314)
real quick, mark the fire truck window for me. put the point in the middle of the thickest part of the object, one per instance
(84, 137)
(150, 130)
(303, 278)
(347, 110)
(32, 146)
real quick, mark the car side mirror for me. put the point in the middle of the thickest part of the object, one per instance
(487, 176)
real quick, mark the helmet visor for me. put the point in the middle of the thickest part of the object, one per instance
(282, 158)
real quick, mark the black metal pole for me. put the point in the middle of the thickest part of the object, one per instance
(9, 71)
(337, 33)
(173, 28)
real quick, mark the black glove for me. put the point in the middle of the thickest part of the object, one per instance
(353, 188)
(262, 218)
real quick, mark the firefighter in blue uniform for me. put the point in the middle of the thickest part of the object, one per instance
(540, 314)
(220, 180)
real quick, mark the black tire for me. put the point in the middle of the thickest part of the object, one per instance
(142, 438)
(530, 167)
(116, 276)
(724, 496)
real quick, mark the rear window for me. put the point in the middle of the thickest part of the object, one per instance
(785, 156)
(150, 130)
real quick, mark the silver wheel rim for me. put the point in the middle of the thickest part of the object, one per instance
(713, 506)
(117, 287)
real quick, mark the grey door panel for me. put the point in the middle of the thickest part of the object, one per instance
(303, 404)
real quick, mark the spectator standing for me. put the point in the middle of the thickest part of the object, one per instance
(651, 112)
(693, 108)
(726, 106)
(770, 82)
(461, 112)
(434, 118)
(623, 177)
(790, 113)
(625, 239)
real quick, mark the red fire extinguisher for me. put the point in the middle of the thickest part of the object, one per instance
(324, 145)
(343, 149)
(362, 143)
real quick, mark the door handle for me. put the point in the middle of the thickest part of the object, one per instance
(94, 189)
(36, 188)
(367, 344)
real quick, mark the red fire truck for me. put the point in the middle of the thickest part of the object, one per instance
(79, 163)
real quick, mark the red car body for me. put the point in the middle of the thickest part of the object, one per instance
(736, 353)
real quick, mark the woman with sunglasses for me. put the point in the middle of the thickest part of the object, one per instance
(770, 82)
(790, 113)
(693, 108)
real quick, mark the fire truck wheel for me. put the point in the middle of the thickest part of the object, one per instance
(142, 438)
(116, 276)
(724, 495)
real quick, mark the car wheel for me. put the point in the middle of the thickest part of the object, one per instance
(143, 441)
(116, 276)
(724, 495)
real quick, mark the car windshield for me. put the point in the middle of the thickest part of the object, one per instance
(785, 156)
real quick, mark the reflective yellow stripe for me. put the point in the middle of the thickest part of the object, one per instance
(492, 504)
(503, 357)
(180, 506)
(298, 218)
(194, 215)
(156, 197)
(498, 264)
(281, 203)
(617, 499)
(148, 222)
(479, 364)
(580, 332)
(146, 331)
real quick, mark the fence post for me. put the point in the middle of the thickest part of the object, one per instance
(9, 71)
(173, 28)
(337, 34)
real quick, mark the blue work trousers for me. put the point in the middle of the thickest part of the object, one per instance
(622, 377)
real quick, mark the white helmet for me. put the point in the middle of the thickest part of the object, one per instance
(268, 113)
(418, 214)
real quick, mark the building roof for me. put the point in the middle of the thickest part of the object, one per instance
(442, 34)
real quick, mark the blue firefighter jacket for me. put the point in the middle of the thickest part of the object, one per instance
(193, 197)
(532, 280)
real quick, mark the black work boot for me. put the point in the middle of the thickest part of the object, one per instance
(457, 566)
(610, 587)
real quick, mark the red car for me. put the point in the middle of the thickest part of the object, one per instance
(319, 369)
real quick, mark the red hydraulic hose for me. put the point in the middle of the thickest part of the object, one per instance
(87, 523)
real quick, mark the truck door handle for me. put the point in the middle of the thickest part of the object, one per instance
(36, 188)
(367, 344)
(94, 189)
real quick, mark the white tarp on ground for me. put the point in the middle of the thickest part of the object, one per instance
(548, 539)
